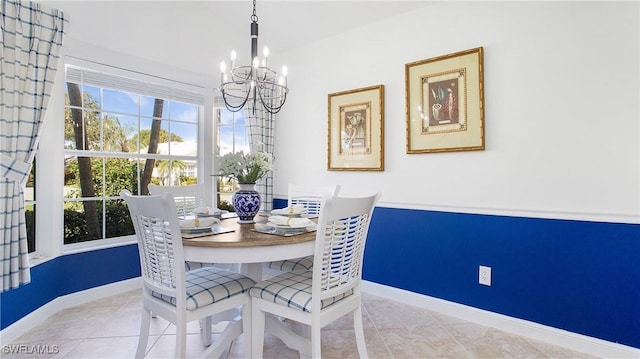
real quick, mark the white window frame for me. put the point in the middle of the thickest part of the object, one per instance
(49, 215)
(139, 80)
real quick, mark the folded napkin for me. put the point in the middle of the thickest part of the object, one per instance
(206, 210)
(289, 221)
(198, 222)
(296, 209)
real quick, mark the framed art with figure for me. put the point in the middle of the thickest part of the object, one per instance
(356, 130)
(445, 103)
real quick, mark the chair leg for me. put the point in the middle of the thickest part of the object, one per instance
(246, 328)
(181, 336)
(143, 338)
(316, 342)
(205, 330)
(257, 331)
(359, 329)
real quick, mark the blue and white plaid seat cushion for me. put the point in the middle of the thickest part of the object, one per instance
(292, 289)
(209, 285)
(290, 265)
(196, 265)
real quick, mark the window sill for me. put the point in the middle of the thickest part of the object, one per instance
(37, 259)
(97, 245)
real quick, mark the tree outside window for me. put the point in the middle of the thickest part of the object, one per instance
(117, 140)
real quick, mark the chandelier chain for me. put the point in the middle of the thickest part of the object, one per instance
(254, 17)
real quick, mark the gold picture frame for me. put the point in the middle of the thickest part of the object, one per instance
(445, 103)
(356, 130)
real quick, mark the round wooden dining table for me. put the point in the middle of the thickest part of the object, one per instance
(251, 248)
(247, 246)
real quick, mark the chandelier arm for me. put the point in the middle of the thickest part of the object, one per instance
(237, 74)
(229, 106)
(265, 71)
(270, 108)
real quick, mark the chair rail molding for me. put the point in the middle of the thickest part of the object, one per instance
(518, 212)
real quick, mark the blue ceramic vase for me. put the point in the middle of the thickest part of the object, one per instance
(246, 202)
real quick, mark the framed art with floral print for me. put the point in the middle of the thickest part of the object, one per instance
(445, 103)
(356, 130)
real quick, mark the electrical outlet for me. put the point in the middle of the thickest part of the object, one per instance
(484, 276)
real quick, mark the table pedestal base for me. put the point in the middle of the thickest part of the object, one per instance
(272, 325)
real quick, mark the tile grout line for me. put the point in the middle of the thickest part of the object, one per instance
(375, 326)
(446, 330)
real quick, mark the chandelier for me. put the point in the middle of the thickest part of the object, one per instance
(253, 83)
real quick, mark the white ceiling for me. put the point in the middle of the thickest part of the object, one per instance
(174, 30)
(289, 24)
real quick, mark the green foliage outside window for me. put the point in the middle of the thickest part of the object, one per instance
(92, 182)
(29, 214)
(145, 138)
(119, 174)
(118, 223)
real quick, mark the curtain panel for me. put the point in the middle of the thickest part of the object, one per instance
(31, 42)
(261, 138)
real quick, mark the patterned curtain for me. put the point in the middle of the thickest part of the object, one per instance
(261, 135)
(31, 40)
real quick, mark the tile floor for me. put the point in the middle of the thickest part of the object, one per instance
(108, 328)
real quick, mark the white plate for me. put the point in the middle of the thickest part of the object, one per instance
(298, 215)
(286, 212)
(196, 230)
(269, 224)
(198, 227)
(207, 222)
(206, 211)
(216, 214)
(280, 231)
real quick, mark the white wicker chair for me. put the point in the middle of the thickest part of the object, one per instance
(328, 291)
(187, 198)
(172, 292)
(311, 197)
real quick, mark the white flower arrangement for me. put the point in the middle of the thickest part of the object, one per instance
(245, 168)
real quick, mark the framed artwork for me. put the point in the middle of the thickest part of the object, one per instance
(356, 130)
(445, 103)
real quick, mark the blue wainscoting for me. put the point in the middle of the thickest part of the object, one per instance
(580, 276)
(68, 274)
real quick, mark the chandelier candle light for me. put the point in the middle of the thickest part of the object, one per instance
(255, 83)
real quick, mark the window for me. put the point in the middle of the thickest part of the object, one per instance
(232, 137)
(30, 208)
(122, 133)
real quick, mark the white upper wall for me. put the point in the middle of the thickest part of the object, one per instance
(561, 109)
(561, 98)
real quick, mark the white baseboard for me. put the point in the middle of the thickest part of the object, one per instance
(578, 342)
(14, 331)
